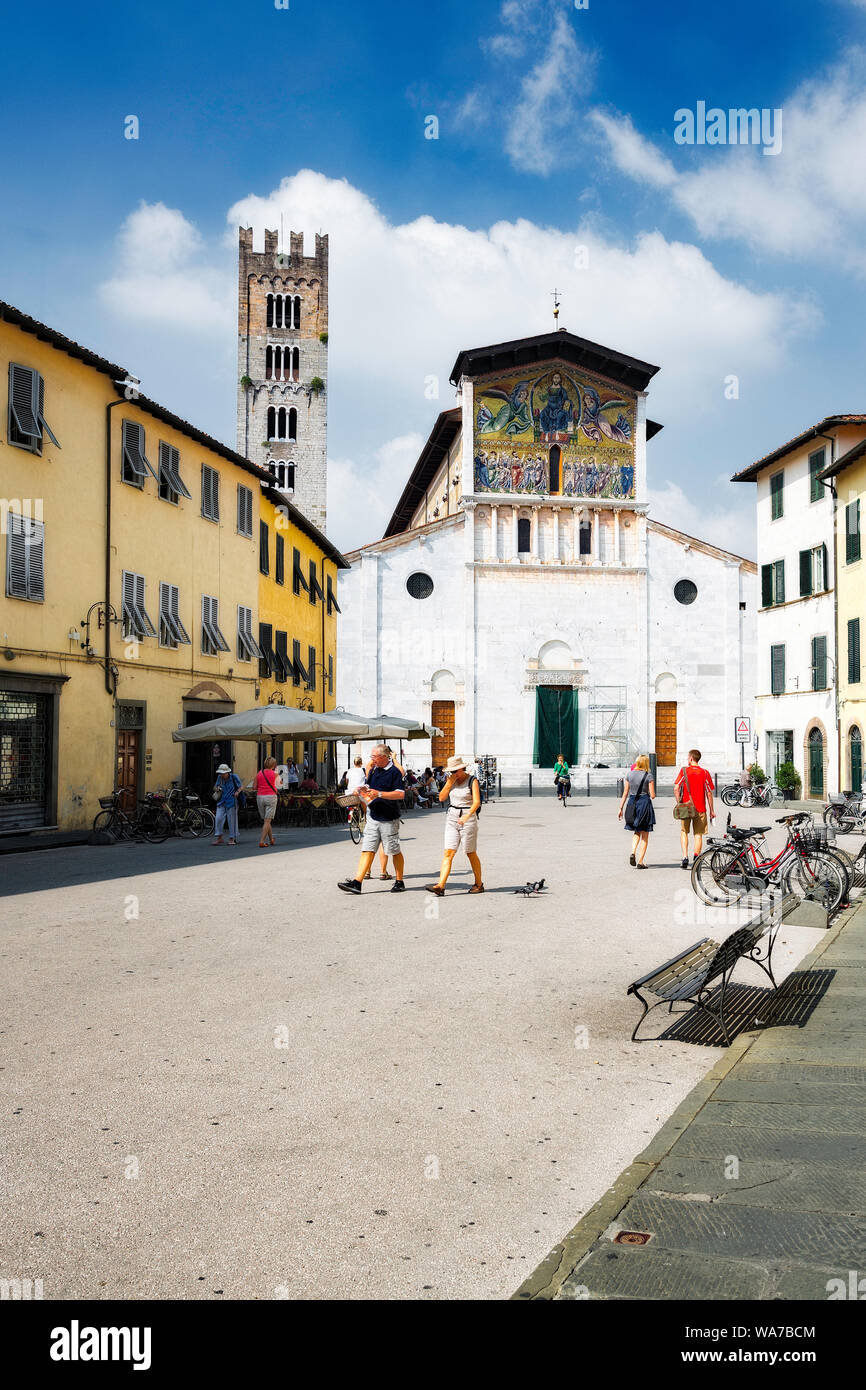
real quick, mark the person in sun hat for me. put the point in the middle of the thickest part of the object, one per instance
(462, 791)
(225, 792)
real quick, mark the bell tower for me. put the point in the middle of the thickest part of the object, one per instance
(282, 366)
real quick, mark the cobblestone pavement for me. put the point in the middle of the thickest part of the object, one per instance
(225, 1079)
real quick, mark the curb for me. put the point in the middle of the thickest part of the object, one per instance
(544, 1283)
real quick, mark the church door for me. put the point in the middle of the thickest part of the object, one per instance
(555, 725)
(666, 733)
(555, 481)
(442, 747)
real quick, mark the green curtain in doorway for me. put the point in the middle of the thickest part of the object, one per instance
(555, 724)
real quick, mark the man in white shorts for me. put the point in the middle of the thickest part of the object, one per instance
(383, 794)
(462, 791)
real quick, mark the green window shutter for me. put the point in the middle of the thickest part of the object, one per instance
(779, 582)
(766, 585)
(816, 487)
(854, 651)
(825, 577)
(819, 663)
(852, 532)
(777, 484)
(264, 556)
(805, 573)
(311, 668)
(23, 407)
(777, 670)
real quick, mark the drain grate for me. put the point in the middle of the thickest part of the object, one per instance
(631, 1238)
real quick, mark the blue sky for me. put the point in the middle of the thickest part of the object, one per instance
(555, 131)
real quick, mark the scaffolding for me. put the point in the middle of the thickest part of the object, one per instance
(607, 736)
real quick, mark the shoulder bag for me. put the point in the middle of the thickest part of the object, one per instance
(630, 804)
(685, 807)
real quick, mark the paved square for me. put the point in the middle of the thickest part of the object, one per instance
(261, 1087)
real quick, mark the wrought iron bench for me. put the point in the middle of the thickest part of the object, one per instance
(689, 978)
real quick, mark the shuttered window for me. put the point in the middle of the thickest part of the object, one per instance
(315, 586)
(281, 652)
(816, 487)
(777, 494)
(171, 484)
(172, 632)
(245, 510)
(210, 493)
(300, 672)
(212, 640)
(805, 573)
(332, 597)
(136, 465)
(248, 647)
(311, 668)
(852, 532)
(264, 548)
(279, 560)
(813, 571)
(773, 584)
(777, 670)
(819, 663)
(136, 619)
(26, 419)
(267, 662)
(25, 558)
(298, 580)
(853, 651)
(330, 674)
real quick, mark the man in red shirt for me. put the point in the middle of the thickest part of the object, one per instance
(694, 788)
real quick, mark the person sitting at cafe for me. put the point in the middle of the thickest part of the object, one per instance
(309, 784)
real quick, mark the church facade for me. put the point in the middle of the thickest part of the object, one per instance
(522, 600)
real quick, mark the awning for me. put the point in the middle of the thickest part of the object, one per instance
(274, 721)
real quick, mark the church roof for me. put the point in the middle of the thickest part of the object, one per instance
(750, 474)
(545, 347)
(442, 436)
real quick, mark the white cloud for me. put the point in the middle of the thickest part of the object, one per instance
(406, 298)
(729, 526)
(166, 275)
(807, 202)
(545, 108)
(631, 153)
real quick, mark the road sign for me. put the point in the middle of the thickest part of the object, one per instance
(743, 729)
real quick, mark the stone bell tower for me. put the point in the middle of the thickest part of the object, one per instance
(282, 366)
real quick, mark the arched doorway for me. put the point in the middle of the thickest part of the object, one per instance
(816, 763)
(855, 755)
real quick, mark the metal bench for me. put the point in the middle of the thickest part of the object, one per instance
(688, 978)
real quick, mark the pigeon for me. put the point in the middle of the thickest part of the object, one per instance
(531, 890)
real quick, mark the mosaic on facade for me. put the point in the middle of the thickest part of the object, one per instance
(556, 433)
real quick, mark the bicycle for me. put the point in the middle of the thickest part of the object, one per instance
(563, 790)
(730, 868)
(760, 794)
(151, 820)
(845, 812)
(187, 813)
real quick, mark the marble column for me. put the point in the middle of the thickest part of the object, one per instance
(556, 535)
(494, 533)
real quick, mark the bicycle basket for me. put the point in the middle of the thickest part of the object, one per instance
(107, 803)
(347, 799)
(814, 837)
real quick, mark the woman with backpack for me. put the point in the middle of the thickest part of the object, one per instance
(463, 794)
(638, 796)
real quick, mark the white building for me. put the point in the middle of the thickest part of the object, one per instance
(522, 600)
(796, 690)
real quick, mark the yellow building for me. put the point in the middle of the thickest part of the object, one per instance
(132, 585)
(847, 477)
(297, 633)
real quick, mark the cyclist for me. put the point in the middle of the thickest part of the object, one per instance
(562, 778)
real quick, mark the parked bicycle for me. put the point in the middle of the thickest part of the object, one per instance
(150, 820)
(755, 794)
(738, 864)
(188, 816)
(846, 812)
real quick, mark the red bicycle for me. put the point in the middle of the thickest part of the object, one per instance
(805, 865)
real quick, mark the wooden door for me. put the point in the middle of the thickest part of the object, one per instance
(128, 746)
(443, 718)
(666, 733)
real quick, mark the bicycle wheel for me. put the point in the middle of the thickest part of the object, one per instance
(731, 796)
(155, 826)
(189, 824)
(747, 797)
(355, 827)
(820, 877)
(208, 819)
(712, 872)
(104, 821)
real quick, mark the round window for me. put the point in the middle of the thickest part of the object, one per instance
(685, 591)
(419, 585)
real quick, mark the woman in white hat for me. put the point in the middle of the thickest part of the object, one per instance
(463, 794)
(225, 794)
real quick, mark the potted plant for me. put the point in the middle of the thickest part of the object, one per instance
(788, 781)
(757, 774)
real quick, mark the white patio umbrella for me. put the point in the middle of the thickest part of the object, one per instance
(274, 722)
(393, 726)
